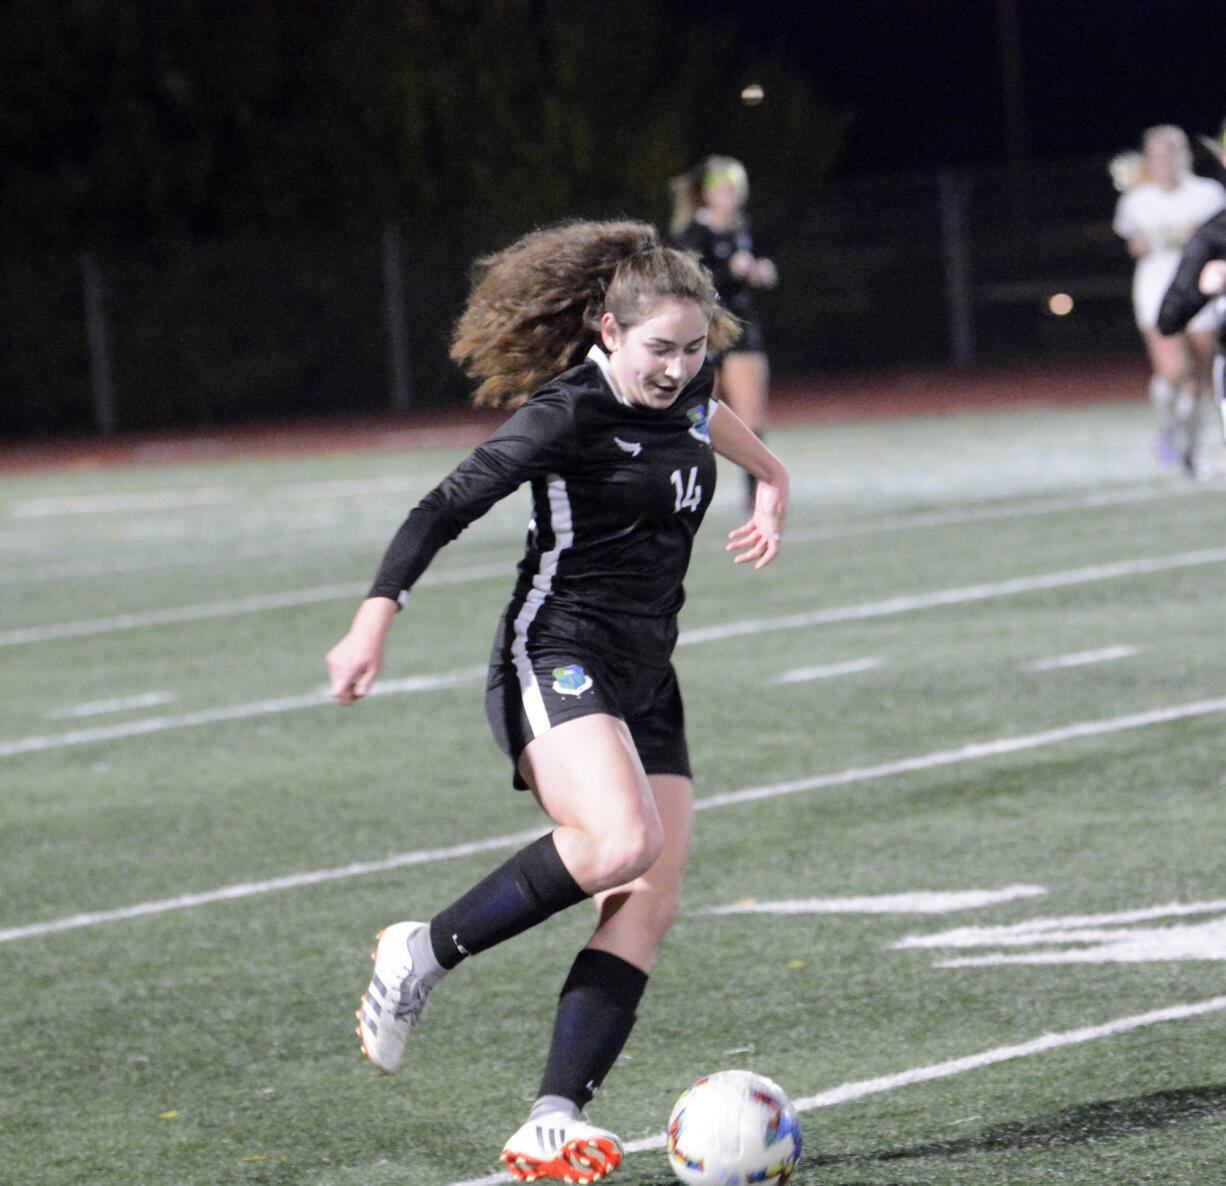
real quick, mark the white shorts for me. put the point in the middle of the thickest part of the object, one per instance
(1150, 281)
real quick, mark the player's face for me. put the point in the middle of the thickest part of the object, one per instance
(655, 359)
(1162, 162)
(724, 198)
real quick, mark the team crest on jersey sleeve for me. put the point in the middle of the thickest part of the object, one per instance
(571, 680)
(698, 424)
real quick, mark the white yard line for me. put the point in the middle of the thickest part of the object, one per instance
(906, 603)
(951, 517)
(895, 605)
(1033, 929)
(861, 1088)
(904, 521)
(966, 753)
(250, 889)
(1081, 658)
(111, 503)
(959, 596)
(912, 902)
(95, 708)
(970, 752)
(230, 607)
(232, 712)
(296, 544)
(259, 603)
(802, 675)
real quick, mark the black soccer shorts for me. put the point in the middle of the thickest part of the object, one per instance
(528, 692)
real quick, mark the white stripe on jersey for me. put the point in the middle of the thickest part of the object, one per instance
(601, 359)
(542, 586)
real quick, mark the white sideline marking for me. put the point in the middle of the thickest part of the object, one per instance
(233, 712)
(804, 674)
(960, 596)
(115, 704)
(1081, 658)
(918, 902)
(822, 617)
(862, 774)
(947, 1070)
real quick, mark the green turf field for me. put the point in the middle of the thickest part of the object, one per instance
(959, 762)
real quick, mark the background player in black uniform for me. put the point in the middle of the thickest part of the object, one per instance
(1201, 277)
(709, 218)
(600, 335)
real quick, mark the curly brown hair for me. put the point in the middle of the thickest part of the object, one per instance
(535, 307)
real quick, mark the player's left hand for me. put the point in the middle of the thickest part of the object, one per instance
(763, 274)
(759, 539)
(1213, 277)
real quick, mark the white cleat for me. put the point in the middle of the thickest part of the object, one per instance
(557, 1147)
(393, 1001)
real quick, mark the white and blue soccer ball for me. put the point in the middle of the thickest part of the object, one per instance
(733, 1128)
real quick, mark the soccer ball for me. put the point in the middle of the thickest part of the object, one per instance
(733, 1128)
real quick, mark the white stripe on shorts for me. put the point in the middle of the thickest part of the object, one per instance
(542, 586)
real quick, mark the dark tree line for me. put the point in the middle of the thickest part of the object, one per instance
(232, 168)
(124, 118)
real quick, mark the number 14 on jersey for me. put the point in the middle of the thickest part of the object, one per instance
(689, 493)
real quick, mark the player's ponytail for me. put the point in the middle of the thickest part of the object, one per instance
(686, 190)
(535, 307)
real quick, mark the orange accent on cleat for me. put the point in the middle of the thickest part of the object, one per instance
(581, 1161)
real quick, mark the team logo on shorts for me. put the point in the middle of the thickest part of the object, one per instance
(571, 681)
(698, 424)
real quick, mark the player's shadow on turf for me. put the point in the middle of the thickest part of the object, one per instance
(1104, 1121)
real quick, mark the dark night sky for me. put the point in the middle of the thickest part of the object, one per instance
(926, 82)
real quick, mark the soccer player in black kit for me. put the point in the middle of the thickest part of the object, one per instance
(599, 335)
(1201, 277)
(708, 217)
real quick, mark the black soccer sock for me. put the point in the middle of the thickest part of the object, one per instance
(595, 1016)
(529, 888)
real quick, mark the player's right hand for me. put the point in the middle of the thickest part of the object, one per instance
(352, 669)
(354, 663)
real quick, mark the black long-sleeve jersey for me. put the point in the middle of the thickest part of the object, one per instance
(618, 493)
(716, 249)
(1184, 299)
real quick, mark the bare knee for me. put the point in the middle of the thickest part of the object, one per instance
(622, 854)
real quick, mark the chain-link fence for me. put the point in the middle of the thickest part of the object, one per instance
(876, 272)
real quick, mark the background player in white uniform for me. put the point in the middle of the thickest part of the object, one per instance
(600, 335)
(709, 218)
(1157, 218)
(1199, 280)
